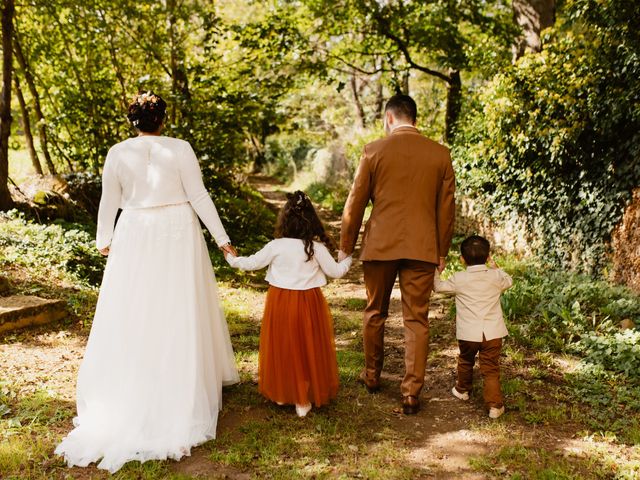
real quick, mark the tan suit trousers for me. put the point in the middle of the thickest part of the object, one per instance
(416, 284)
(488, 352)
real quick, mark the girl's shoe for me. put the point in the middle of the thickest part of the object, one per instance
(461, 396)
(496, 412)
(302, 410)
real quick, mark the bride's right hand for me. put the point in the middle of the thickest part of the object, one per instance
(104, 251)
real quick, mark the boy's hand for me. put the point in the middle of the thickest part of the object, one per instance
(492, 263)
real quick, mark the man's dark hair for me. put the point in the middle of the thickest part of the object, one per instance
(475, 250)
(402, 106)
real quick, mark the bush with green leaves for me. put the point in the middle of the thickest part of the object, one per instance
(554, 310)
(556, 137)
(619, 352)
(57, 250)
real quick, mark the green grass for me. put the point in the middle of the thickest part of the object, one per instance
(20, 166)
(531, 463)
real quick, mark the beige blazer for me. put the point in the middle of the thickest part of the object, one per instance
(410, 181)
(478, 310)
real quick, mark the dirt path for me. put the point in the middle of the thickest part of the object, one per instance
(439, 436)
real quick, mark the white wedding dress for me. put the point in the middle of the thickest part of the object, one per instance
(159, 352)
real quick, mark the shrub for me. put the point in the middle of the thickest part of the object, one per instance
(553, 310)
(619, 352)
(60, 250)
(556, 137)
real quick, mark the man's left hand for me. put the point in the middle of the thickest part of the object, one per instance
(442, 265)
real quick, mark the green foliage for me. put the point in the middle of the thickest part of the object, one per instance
(86, 59)
(246, 218)
(555, 138)
(59, 250)
(556, 311)
(613, 400)
(395, 36)
(619, 352)
(564, 312)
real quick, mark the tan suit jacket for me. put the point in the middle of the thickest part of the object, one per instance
(410, 181)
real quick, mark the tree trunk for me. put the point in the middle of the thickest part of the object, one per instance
(356, 98)
(26, 127)
(42, 128)
(6, 202)
(454, 100)
(532, 16)
(179, 79)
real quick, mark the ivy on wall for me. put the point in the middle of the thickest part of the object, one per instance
(556, 137)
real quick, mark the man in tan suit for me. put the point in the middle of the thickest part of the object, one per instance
(410, 181)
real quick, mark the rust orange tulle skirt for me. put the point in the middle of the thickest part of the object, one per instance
(297, 363)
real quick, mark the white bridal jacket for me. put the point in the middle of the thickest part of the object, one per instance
(152, 171)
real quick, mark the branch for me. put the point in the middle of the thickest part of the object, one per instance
(402, 46)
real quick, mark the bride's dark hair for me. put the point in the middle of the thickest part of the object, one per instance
(298, 219)
(147, 111)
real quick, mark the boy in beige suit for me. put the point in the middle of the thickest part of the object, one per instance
(479, 323)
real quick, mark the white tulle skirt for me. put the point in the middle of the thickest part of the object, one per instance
(150, 384)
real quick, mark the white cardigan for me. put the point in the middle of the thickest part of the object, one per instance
(478, 310)
(288, 265)
(152, 171)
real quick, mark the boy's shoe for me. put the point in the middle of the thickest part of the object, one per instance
(371, 387)
(461, 396)
(496, 412)
(302, 410)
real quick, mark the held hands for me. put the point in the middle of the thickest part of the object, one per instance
(342, 255)
(228, 249)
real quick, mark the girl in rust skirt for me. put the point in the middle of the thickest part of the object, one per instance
(297, 361)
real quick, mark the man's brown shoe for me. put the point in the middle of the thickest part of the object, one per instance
(410, 405)
(372, 387)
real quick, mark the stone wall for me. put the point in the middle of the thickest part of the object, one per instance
(508, 236)
(625, 245)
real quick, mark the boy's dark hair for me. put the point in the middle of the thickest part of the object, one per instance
(298, 219)
(402, 106)
(475, 250)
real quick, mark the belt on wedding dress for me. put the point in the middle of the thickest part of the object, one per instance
(157, 206)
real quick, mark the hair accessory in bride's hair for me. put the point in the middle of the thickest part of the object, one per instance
(146, 111)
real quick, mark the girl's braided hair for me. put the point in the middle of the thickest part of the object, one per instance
(298, 219)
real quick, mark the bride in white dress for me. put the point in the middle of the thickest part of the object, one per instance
(159, 352)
